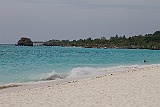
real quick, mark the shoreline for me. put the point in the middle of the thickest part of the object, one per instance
(12, 87)
(84, 47)
(138, 87)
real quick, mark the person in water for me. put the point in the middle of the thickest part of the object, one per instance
(144, 61)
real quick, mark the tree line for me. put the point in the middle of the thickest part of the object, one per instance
(148, 41)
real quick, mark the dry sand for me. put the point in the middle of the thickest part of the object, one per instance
(138, 88)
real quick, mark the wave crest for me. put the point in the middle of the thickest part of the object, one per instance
(89, 71)
(54, 76)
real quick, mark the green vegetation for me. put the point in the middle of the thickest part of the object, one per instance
(148, 41)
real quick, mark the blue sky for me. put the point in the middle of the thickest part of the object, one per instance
(42, 20)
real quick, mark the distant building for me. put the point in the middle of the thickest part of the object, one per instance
(38, 43)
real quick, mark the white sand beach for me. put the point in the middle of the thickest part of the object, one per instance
(136, 88)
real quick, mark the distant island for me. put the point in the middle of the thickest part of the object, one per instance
(24, 42)
(148, 41)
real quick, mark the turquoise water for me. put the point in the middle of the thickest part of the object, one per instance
(30, 64)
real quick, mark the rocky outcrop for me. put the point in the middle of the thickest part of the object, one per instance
(25, 42)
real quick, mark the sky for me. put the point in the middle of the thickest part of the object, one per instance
(42, 20)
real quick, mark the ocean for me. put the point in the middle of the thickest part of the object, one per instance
(21, 64)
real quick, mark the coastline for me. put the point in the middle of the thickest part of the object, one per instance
(140, 87)
(10, 87)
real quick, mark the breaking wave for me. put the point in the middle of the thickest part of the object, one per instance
(54, 76)
(89, 71)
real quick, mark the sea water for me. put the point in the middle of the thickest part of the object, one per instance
(20, 64)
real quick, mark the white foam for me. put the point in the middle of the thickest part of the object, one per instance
(89, 71)
(85, 71)
(54, 76)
